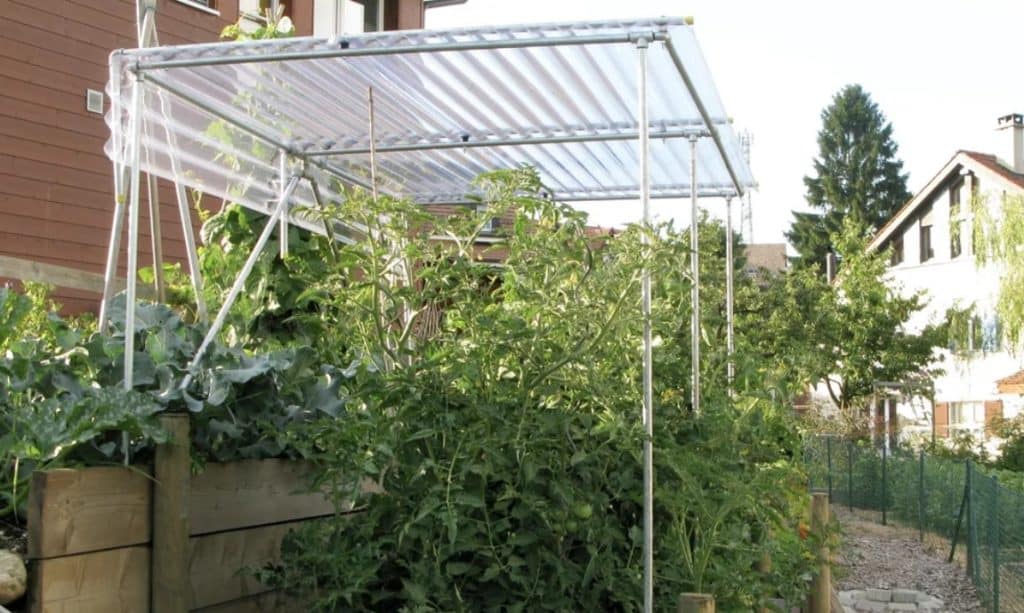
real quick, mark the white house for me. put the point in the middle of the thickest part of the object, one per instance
(931, 247)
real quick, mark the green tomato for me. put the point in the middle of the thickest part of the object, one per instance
(583, 510)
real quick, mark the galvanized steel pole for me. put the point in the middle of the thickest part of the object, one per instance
(730, 340)
(695, 283)
(648, 366)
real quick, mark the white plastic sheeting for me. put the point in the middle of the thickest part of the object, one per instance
(447, 106)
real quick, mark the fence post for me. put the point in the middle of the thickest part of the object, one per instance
(920, 495)
(820, 597)
(696, 603)
(993, 540)
(828, 447)
(885, 485)
(970, 522)
(172, 472)
(849, 475)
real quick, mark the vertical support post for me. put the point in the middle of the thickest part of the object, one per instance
(282, 181)
(695, 603)
(133, 235)
(117, 223)
(849, 475)
(820, 597)
(730, 340)
(172, 468)
(645, 298)
(885, 482)
(920, 495)
(993, 539)
(155, 234)
(828, 451)
(695, 280)
(971, 542)
(373, 142)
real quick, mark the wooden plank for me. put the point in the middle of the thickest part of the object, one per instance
(75, 511)
(252, 493)
(172, 469)
(260, 603)
(218, 563)
(61, 276)
(98, 582)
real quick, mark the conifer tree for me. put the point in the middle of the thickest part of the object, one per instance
(857, 176)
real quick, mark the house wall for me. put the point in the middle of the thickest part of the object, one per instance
(958, 282)
(56, 188)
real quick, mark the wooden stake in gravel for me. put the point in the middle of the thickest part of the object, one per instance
(696, 603)
(819, 600)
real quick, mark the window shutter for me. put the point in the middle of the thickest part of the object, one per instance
(993, 411)
(942, 419)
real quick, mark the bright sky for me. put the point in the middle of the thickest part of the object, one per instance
(942, 71)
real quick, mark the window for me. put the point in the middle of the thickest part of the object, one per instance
(927, 251)
(207, 6)
(925, 242)
(966, 414)
(332, 17)
(491, 224)
(896, 255)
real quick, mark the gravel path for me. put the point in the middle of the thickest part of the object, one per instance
(877, 556)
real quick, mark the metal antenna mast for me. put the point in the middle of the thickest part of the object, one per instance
(746, 211)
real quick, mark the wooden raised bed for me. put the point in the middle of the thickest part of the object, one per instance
(90, 544)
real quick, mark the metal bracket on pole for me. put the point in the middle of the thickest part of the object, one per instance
(648, 362)
(239, 285)
(695, 282)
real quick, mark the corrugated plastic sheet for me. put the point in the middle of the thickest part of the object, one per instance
(447, 106)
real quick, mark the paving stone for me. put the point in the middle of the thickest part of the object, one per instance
(902, 606)
(877, 595)
(905, 595)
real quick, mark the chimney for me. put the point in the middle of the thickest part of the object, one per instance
(1014, 124)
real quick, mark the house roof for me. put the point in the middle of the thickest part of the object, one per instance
(1014, 384)
(230, 119)
(767, 256)
(973, 160)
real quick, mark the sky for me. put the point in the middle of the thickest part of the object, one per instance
(941, 71)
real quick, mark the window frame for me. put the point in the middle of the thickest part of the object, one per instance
(206, 6)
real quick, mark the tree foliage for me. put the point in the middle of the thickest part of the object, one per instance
(999, 234)
(857, 176)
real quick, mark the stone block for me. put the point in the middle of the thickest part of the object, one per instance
(905, 595)
(877, 595)
(867, 606)
(902, 606)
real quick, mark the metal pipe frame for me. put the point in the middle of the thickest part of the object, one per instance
(715, 136)
(645, 308)
(695, 283)
(243, 275)
(344, 51)
(730, 339)
(282, 178)
(270, 139)
(512, 142)
(133, 235)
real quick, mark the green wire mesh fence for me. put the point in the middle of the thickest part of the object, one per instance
(955, 500)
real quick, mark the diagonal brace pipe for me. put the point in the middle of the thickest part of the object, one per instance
(236, 289)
